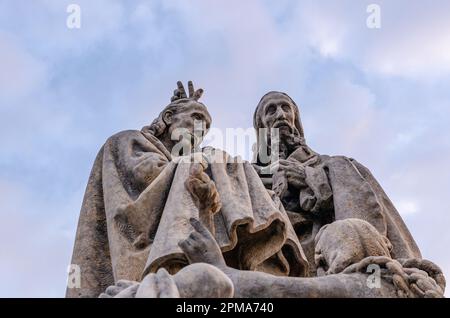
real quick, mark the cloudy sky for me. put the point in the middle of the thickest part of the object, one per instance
(379, 95)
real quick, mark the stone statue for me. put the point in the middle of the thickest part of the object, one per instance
(163, 218)
(145, 186)
(319, 189)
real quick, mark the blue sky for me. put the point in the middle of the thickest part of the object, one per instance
(378, 95)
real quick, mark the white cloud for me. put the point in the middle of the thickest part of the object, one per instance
(406, 207)
(42, 26)
(413, 41)
(37, 238)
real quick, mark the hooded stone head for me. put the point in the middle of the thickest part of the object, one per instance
(276, 110)
(275, 101)
(184, 120)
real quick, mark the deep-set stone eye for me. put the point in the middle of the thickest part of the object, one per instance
(271, 109)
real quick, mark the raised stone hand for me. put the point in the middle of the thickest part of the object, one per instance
(204, 193)
(180, 92)
(201, 246)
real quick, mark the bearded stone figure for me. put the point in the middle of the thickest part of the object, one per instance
(319, 189)
(162, 217)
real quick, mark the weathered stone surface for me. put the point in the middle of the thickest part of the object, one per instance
(320, 189)
(162, 218)
(346, 274)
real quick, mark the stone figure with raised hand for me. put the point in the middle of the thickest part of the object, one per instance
(145, 186)
(162, 217)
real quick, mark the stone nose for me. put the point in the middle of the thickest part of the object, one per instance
(280, 113)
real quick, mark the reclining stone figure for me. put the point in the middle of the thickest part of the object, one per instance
(344, 251)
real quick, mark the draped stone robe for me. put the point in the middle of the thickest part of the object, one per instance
(338, 187)
(136, 209)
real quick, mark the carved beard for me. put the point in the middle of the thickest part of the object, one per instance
(290, 140)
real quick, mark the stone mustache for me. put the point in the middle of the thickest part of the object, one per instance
(163, 218)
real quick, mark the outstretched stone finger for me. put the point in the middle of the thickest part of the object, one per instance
(198, 94)
(191, 89)
(181, 90)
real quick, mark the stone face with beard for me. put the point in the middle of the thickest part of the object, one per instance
(319, 189)
(279, 113)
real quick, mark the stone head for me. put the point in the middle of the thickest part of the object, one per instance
(278, 110)
(184, 120)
